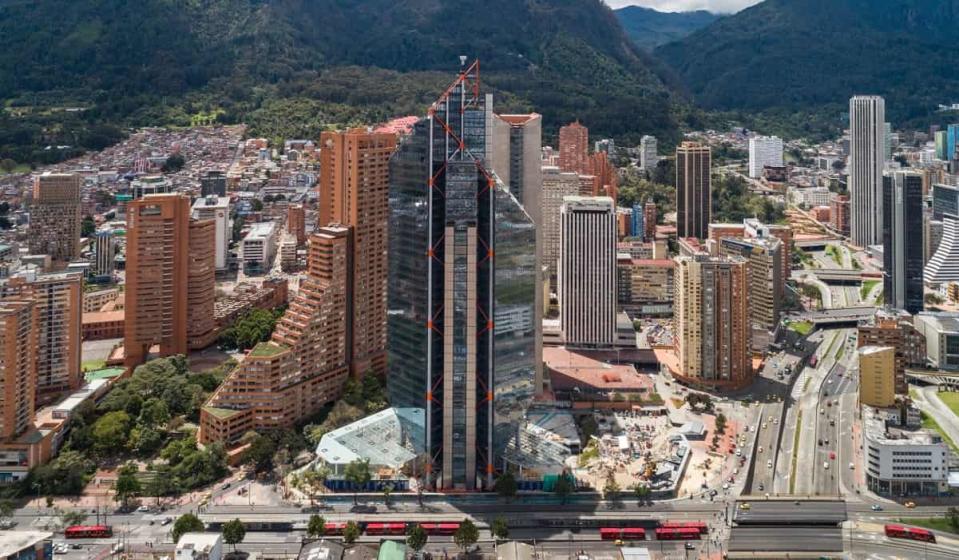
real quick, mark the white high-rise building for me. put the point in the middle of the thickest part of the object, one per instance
(763, 151)
(943, 267)
(557, 185)
(587, 271)
(648, 155)
(867, 131)
(216, 208)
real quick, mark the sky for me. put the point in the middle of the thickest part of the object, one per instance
(716, 6)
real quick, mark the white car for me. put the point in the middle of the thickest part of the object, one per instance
(769, 464)
(739, 452)
(760, 449)
(143, 509)
(825, 465)
(764, 425)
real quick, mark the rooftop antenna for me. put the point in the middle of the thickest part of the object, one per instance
(462, 60)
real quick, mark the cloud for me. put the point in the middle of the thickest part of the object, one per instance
(716, 6)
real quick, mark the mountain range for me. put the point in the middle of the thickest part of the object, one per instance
(802, 54)
(649, 28)
(293, 67)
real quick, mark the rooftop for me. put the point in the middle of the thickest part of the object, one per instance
(198, 541)
(260, 231)
(878, 428)
(12, 542)
(391, 438)
(571, 369)
(266, 349)
(220, 413)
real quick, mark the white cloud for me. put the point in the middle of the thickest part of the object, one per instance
(716, 6)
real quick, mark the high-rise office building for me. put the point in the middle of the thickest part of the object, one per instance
(161, 302)
(296, 222)
(104, 254)
(648, 153)
(517, 147)
(55, 216)
(605, 176)
(462, 291)
(306, 362)
(574, 149)
(217, 208)
(942, 145)
(945, 200)
(711, 312)
(18, 369)
(649, 220)
(867, 116)
(557, 185)
(354, 192)
(636, 227)
(213, 184)
(693, 190)
(587, 272)
(903, 256)
(763, 151)
(952, 141)
(877, 376)
(765, 283)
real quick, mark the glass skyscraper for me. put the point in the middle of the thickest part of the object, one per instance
(462, 291)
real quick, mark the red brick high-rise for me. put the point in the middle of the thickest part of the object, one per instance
(296, 222)
(305, 364)
(649, 220)
(354, 192)
(169, 283)
(574, 149)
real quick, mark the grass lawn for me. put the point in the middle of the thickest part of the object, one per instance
(19, 169)
(933, 523)
(802, 327)
(951, 399)
(930, 423)
(834, 253)
(795, 458)
(91, 365)
(867, 287)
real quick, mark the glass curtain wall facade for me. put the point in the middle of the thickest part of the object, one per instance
(461, 291)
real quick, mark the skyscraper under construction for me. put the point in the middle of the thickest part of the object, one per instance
(461, 290)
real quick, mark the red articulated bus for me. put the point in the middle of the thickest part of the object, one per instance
(386, 529)
(622, 533)
(443, 528)
(677, 534)
(698, 525)
(335, 528)
(912, 533)
(88, 532)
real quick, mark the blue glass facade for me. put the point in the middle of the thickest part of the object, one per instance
(637, 227)
(461, 292)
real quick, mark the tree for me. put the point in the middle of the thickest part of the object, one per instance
(260, 453)
(234, 532)
(6, 509)
(505, 485)
(720, 423)
(563, 487)
(611, 488)
(499, 528)
(161, 484)
(186, 523)
(87, 226)
(642, 492)
(8, 165)
(416, 537)
(952, 514)
(173, 163)
(127, 485)
(316, 526)
(358, 474)
(110, 433)
(257, 205)
(312, 481)
(467, 535)
(154, 412)
(387, 491)
(72, 517)
(351, 532)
